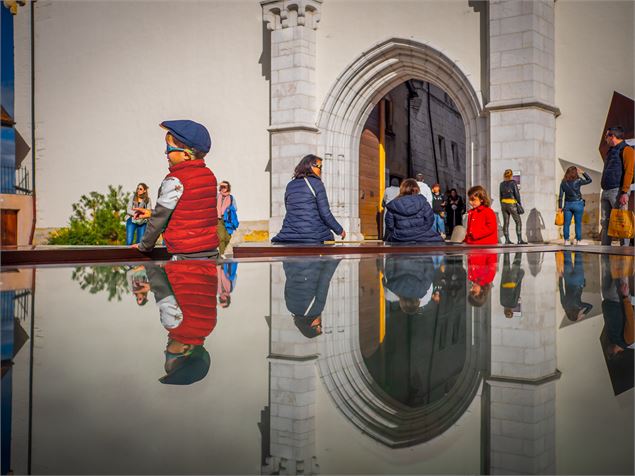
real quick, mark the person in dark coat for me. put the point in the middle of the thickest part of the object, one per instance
(305, 292)
(410, 280)
(511, 282)
(573, 202)
(309, 218)
(510, 201)
(454, 210)
(409, 217)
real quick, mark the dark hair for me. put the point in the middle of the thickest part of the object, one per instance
(409, 187)
(480, 193)
(229, 187)
(409, 305)
(303, 169)
(571, 174)
(477, 300)
(617, 131)
(197, 153)
(144, 197)
(303, 323)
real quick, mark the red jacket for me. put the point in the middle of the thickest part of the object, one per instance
(481, 267)
(194, 284)
(482, 228)
(192, 226)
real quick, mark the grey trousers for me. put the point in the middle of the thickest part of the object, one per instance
(510, 209)
(608, 201)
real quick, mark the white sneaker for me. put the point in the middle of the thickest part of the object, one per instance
(567, 242)
(577, 242)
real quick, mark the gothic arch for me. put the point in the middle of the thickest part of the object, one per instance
(358, 89)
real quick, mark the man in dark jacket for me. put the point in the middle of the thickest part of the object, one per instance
(617, 177)
(306, 290)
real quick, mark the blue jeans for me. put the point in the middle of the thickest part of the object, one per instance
(439, 223)
(575, 210)
(131, 228)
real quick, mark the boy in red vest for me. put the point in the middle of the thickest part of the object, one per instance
(185, 211)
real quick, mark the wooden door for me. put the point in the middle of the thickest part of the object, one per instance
(370, 305)
(369, 177)
(9, 228)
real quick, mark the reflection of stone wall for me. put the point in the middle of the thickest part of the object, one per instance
(522, 428)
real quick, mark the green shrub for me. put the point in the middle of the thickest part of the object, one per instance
(111, 279)
(97, 219)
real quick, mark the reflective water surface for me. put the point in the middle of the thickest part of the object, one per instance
(478, 364)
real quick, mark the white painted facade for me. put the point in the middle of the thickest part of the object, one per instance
(107, 73)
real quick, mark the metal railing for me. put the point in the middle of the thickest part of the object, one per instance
(14, 180)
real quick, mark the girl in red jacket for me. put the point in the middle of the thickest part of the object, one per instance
(482, 228)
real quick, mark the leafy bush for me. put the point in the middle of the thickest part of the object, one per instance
(111, 279)
(97, 219)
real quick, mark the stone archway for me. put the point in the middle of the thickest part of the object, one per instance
(364, 82)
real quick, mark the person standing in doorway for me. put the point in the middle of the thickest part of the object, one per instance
(454, 210)
(438, 207)
(137, 225)
(510, 201)
(573, 203)
(227, 215)
(617, 177)
(424, 189)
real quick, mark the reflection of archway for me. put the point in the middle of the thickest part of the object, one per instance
(364, 82)
(364, 403)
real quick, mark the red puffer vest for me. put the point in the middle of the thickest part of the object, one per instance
(192, 226)
(194, 284)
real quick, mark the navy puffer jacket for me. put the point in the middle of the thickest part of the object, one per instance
(307, 285)
(409, 277)
(410, 219)
(309, 218)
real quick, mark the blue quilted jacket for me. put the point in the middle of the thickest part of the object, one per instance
(410, 219)
(309, 218)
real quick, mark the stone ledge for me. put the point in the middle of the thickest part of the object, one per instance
(503, 106)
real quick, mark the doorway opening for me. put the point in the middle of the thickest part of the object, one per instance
(416, 128)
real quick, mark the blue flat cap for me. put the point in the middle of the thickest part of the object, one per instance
(191, 133)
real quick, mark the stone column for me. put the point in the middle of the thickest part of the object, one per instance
(522, 381)
(521, 108)
(292, 389)
(293, 25)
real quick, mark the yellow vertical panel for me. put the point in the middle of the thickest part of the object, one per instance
(382, 309)
(382, 152)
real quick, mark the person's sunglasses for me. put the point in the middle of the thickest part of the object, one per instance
(223, 187)
(317, 166)
(169, 149)
(610, 134)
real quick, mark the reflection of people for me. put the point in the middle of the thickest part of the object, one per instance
(305, 292)
(481, 271)
(573, 202)
(617, 177)
(227, 275)
(409, 217)
(134, 225)
(618, 336)
(138, 283)
(510, 201)
(409, 281)
(421, 350)
(308, 218)
(571, 285)
(186, 207)
(511, 282)
(185, 292)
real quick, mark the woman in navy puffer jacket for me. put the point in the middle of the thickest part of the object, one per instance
(309, 218)
(409, 217)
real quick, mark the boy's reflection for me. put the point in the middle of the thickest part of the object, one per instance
(185, 292)
(511, 282)
(618, 336)
(423, 349)
(481, 271)
(571, 285)
(305, 292)
(227, 276)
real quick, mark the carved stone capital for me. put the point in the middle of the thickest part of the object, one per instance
(279, 14)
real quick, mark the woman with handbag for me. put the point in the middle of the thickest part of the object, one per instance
(308, 218)
(227, 215)
(137, 226)
(511, 206)
(573, 202)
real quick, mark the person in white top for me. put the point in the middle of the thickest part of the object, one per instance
(391, 192)
(424, 189)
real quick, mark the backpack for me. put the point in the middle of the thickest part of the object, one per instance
(230, 217)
